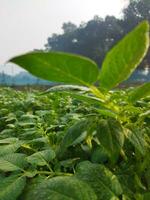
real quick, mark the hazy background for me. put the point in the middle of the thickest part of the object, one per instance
(26, 24)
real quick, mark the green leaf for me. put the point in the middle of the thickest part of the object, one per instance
(145, 114)
(10, 148)
(139, 92)
(146, 196)
(106, 112)
(99, 155)
(83, 94)
(11, 187)
(76, 134)
(111, 137)
(12, 162)
(41, 140)
(122, 60)
(62, 188)
(59, 67)
(31, 174)
(85, 98)
(9, 140)
(60, 88)
(126, 177)
(41, 158)
(75, 91)
(104, 182)
(69, 162)
(136, 139)
(124, 197)
(33, 183)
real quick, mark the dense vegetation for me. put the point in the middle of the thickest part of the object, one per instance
(78, 141)
(96, 37)
(33, 129)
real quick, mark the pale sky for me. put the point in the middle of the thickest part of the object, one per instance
(26, 24)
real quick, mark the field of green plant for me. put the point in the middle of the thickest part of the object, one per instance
(84, 141)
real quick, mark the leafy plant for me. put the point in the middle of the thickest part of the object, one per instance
(78, 141)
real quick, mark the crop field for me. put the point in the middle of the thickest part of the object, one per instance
(44, 137)
(85, 139)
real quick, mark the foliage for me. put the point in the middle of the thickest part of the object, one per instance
(77, 141)
(96, 37)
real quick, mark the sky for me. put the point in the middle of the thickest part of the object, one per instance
(26, 24)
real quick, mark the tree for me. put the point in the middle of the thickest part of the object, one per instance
(137, 11)
(94, 38)
(68, 27)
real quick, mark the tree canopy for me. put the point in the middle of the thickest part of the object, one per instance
(94, 38)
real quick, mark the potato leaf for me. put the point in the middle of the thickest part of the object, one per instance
(12, 162)
(139, 92)
(41, 157)
(75, 134)
(10, 148)
(62, 188)
(136, 139)
(59, 67)
(104, 182)
(122, 60)
(9, 140)
(60, 88)
(111, 137)
(11, 187)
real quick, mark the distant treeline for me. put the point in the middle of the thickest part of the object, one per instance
(94, 38)
(24, 78)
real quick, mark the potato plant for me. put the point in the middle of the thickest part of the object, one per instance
(84, 140)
